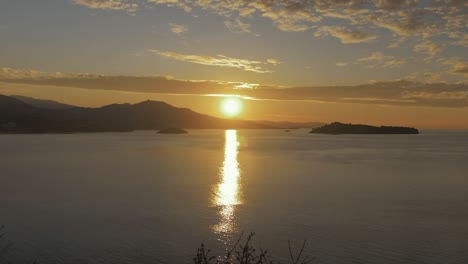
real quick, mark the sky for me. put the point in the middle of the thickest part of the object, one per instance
(382, 62)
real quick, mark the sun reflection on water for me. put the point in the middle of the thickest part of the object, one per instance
(227, 192)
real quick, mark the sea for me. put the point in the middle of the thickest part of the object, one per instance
(143, 197)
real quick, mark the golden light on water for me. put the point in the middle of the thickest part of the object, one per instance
(227, 192)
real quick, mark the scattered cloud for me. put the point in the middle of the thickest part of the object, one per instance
(178, 29)
(375, 56)
(172, 3)
(273, 61)
(219, 60)
(345, 35)
(432, 24)
(12, 74)
(456, 95)
(379, 60)
(428, 47)
(341, 64)
(432, 77)
(462, 41)
(237, 26)
(458, 67)
(395, 5)
(108, 4)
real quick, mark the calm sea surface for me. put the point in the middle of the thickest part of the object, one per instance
(142, 197)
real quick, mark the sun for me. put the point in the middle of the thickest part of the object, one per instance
(231, 106)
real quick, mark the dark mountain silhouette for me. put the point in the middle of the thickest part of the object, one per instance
(340, 128)
(48, 104)
(11, 106)
(17, 116)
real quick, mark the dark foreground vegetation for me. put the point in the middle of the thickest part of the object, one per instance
(244, 253)
(340, 128)
(241, 253)
(3, 247)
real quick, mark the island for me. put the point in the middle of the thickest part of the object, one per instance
(341, 128)
(172, 130)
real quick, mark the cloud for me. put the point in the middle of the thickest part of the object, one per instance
(172, 3)
(108, 4)
(452, 2)
(345, 35)
(432, 77)
(400, 92)
(428, 47)
(462, 41)
(417, 18)
(341, 64)
(441, 22)
(286, 15)
(458, 67)
(219, 60)
(237, 26)
(178, 29)
(273, 61)
(395, 5)
(457, 95)
(375, 56)
(379, 60)
(21, 74)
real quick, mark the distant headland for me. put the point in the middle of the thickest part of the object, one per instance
(29, 115)
(341, 128)
(20, 114)
(172, 130)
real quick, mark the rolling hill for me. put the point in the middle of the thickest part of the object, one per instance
(17, 116)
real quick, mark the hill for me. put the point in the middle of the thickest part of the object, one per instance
(16, 116)
(47, 104)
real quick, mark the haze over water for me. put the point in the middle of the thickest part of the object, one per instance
(145, 198)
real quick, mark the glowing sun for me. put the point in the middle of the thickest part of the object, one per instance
(231, 107)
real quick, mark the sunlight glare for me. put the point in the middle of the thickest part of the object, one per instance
(231, 106)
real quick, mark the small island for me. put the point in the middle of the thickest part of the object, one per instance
(340, 128)
(172, 130)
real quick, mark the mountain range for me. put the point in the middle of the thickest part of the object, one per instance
(19, 114)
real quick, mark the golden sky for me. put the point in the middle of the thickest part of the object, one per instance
(382, 62)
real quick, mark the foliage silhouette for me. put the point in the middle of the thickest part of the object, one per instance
(244, 253)
(241, 253)
(3, 246)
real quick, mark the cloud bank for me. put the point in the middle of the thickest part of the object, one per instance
(399, 92)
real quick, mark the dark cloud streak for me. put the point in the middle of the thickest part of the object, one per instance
(402, 92)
